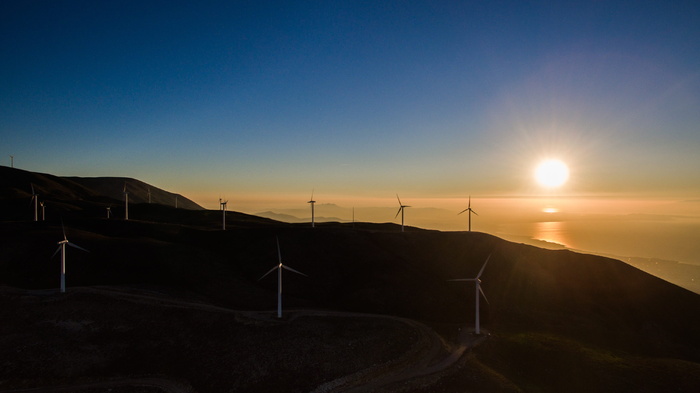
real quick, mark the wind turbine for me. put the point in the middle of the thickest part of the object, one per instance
(43, 211)
(35, 200)
(149, 194)
(469, 211)
(279, 268)
(12, 161)
(109, 211)
(478, 290)
(222, 206)
(312, 202)
(401, 209)
(126, 203)
(62, 249)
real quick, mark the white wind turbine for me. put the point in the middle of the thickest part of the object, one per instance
(222, 206)
(279, 268)
(401, 209)
(62, 249)
(478, 290)
(35, 200)
(469, 211)
(312, 202)
(109, 211)
(43, 211)
(126, 203)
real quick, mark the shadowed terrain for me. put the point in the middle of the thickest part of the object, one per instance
(169, 295)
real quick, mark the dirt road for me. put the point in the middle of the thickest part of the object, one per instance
(430, 354)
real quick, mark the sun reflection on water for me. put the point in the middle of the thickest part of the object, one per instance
(552, 231)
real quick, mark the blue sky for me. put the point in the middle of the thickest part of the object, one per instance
(427, 99)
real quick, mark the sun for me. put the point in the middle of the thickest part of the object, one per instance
(551, 173)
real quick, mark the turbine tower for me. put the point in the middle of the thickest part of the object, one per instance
(469, 211)
(126, 203)
(62, 249)
(12, 161)
(279, 268)
(222, 206)
(312, 202)
(43, 211)
(109, 211)
(477, 291)
(401, 209)
(35, 200)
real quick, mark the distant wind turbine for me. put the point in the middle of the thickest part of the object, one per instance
(109, 211)
(149, 194)
(35, 200)
(222, 205)
(469, 211)
(43, 211)
(176, 201)
(312, 202)
(478, 291)
(279, 268)
(401, 209)
(126, 203)
(62, 249)
(12, 161)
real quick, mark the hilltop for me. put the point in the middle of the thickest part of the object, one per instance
(169, 296)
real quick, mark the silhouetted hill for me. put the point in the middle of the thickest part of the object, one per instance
(570, 313)
(76, 194)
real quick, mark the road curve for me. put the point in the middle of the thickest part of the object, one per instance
(429, 354)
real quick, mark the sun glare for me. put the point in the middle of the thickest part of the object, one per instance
(551, 173)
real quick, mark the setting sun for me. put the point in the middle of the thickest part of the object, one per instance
(551, 173)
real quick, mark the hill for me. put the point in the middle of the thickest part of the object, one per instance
(171, 295)
(65, 194)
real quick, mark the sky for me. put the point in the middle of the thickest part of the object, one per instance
(264, 101)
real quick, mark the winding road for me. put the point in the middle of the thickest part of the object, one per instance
(430, 354)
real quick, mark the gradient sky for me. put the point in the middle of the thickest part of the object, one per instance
(358, 100)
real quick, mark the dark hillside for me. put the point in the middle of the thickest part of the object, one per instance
(549, 311)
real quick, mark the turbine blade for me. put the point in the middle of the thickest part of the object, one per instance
(397, 213)
(467, 209)
(279, 253)
(473, 211)
(268, 272)
(77, 246)
(397, 197)
(292, 270)
(63, 228)
(483, 267)
(483, 294)
(56, 252)
(462, 279)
